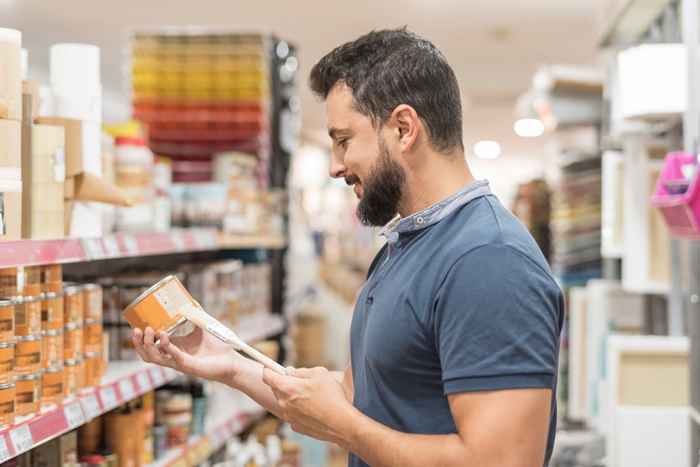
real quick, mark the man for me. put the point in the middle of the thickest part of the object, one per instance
(455, 335)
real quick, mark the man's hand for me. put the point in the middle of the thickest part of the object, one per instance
(313, 401)
(198, 354)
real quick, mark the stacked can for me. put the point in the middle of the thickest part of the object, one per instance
(92, 334)
(28, 348)
(73, 321)
(7, 359)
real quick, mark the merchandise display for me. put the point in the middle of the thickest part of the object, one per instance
(154, 177)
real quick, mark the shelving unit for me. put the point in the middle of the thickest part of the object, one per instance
(199, 448)
(123, 245)
(124, 381)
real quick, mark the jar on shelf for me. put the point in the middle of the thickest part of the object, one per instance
(32, 281)
(94, 368)
(92, 302)
(28, 354)
(7, 404)
(75, 376)
(92, 336)
(7, 319)
(72, 341)
(51, 311)
(73, 307)
(7, 362)
(9, 285)
(27, 316)
(51, 277)
(52, 348)
(52, 386)
(28, 394)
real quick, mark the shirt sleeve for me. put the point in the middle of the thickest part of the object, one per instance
(497, 321)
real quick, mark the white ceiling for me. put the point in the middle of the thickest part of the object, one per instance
(494, 45)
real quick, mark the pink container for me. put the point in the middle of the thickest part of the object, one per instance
(679, 206)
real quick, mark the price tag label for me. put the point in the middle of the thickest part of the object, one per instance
(157, 376)
(170, 374)
(143, 381)
(126, 387)
(93, 248)
(112, 246)
(179, 241)
(74, 415)
(109, 398)
(4, 451)
(22, 439)
(90, 406)
(132, 247)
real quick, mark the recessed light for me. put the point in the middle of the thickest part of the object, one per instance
(487, 149)
(529, 128)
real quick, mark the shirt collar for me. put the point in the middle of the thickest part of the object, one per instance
(435, 213)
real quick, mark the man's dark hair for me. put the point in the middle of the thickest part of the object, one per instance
(391, 67)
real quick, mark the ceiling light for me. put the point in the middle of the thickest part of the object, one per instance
(528, 128)
(487, 149)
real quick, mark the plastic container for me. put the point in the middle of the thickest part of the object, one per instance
(72, 341)
(92, 302)
(75, 376)
(677, 195)
(28, 354)
(7, 404)
(75, 69)
(7, 320)
(92, 336)
(28, 394)
(52, 348)
(27, 316)
(73, 304)
(7, 362)
(51, 311)
(52, 386)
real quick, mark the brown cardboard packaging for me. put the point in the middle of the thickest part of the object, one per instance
(80, 142)
(89, 187)
(10, 81)
(43, 175)
(10, 140)
(31, 88)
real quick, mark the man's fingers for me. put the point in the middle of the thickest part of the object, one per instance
(300, 372)
(182, 359)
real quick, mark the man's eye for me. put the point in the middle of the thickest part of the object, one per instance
(343, 143)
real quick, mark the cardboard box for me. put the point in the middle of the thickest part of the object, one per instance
(10, 81)
(10, 213)
(31, 88)
(83, 144)
(43, 175)
(10, 141)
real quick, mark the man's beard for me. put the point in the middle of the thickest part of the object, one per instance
(382, 191)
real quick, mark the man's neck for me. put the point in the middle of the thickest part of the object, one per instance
(438, 178)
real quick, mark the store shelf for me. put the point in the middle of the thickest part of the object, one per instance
(250, 241)
(631, 19)
(125, 245)
(199, 448)
(123, 381)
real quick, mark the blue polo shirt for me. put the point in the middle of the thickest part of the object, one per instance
(460, 299)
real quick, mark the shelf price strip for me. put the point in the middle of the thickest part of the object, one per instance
(21, 439)
(74, 415)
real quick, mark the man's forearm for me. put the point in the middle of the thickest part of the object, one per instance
(380, 446)
(249, 380)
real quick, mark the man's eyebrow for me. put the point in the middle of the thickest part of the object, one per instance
(334, 133)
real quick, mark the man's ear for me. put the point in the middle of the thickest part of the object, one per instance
(407, 126)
